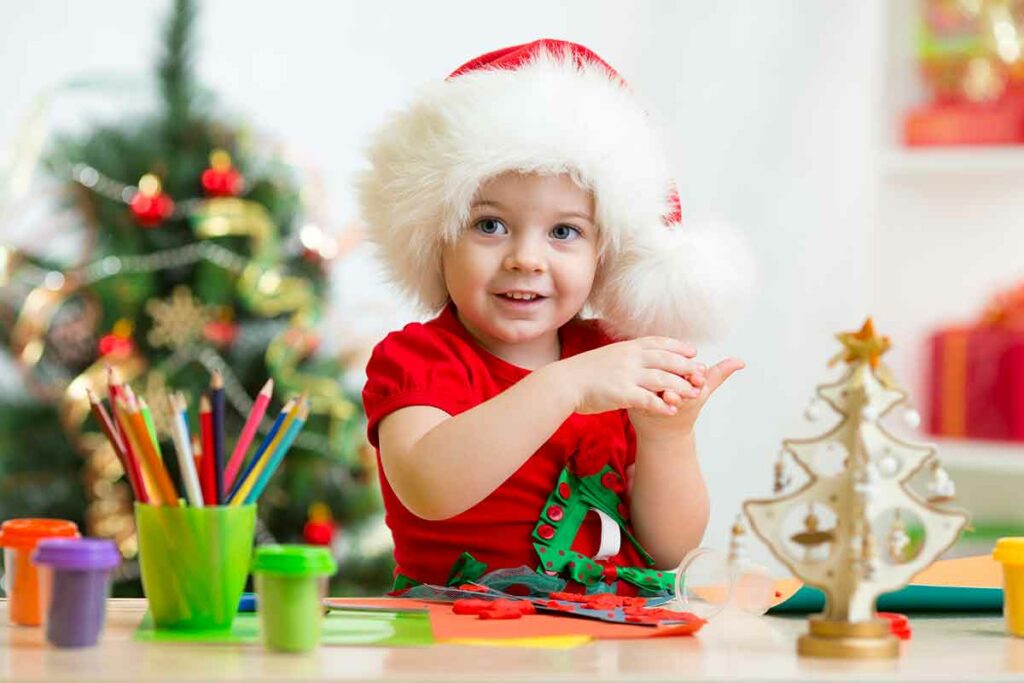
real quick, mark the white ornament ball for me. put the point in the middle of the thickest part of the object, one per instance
(869, 413)
(912, 418)
(888, 465)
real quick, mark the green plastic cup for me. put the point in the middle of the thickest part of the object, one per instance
(194, 563)
(291, 582)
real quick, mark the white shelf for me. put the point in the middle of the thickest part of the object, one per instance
(980, 456)
(954, 161)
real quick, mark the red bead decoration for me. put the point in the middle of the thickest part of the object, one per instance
(221, 179)
(119, 341)
(150, 205)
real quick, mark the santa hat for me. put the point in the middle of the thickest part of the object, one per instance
(550, 107)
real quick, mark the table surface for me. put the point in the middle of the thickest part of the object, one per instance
(748, 648)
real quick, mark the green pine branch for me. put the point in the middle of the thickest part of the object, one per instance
(175, 73)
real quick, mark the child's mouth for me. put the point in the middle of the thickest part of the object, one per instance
(520, 299)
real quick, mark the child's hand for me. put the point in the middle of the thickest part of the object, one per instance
(687, 408)
(635, 374)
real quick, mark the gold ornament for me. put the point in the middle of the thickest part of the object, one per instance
(863, 345)
(177, 321)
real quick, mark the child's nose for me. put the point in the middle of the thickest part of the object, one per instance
(526, 256)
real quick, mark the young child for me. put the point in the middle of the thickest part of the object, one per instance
(510, 430)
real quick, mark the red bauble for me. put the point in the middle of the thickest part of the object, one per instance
(221, 332)
(150, 205)
(118, 342)
(221, 179)
(116, 345)
(318, 532)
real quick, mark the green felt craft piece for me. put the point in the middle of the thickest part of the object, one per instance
(911, 599)
(390, 629)
(466, 569)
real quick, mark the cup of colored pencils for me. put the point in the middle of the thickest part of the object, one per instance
(196, 534)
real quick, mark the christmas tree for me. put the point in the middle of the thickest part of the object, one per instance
(845, 529)
(198, 256)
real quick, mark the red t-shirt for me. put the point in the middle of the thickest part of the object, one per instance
(440, 364)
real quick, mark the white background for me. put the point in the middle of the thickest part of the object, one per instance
(778, 114)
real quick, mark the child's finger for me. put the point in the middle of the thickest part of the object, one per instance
(672, 362)
(721, 371)
(651, 402)
(669, 344)
(659, 381)
(672, 398)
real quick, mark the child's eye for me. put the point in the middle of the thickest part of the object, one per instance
(491, 226)
(565, 232)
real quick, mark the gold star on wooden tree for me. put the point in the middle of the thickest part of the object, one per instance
(177, 321)
(863, 345)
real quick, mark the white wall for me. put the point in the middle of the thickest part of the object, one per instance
(771, 110)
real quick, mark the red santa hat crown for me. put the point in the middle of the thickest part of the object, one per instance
(551, 107)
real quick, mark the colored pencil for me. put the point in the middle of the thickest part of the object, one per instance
(115, 391)
(259, 409)
(147, 419)
(258, 456)
(183, 447)
(207, 475)
(275, 457)
(116, 442)
(135, 427)
(217, 406)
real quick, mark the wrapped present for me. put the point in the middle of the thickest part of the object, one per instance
(976, 374)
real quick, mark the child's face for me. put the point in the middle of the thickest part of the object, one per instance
(525, 263)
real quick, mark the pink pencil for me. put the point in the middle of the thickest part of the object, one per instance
(248, 431)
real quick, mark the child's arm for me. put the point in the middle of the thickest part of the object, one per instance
(440, 466)
(669, 501)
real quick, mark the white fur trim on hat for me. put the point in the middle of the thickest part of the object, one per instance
(550, 115)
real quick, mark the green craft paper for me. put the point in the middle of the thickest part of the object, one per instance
(371, 628)
(932, 599)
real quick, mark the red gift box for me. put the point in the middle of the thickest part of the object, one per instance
(976, 375)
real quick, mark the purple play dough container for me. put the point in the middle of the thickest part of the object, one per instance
(79, 572)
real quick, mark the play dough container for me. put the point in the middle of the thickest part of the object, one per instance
(25, 592)
(291, 582)
(78, 573)
(194, 562)
(1010, 553)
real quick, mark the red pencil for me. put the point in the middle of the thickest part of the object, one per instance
(117, 443)
(208, 472)
(116, 392)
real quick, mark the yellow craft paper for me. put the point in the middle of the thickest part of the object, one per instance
(543, 642)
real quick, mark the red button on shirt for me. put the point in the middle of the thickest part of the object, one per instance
(546, 531)
(555, 513)
(564, 491)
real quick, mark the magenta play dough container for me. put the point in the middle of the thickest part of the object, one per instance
(79, 578)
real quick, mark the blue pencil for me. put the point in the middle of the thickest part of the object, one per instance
(278, 455)
(217, 413)
(258, 455)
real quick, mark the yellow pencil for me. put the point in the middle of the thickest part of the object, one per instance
(254, 474)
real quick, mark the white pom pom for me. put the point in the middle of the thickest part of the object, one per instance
(869, 413)
(912, 418)
(687, 282)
